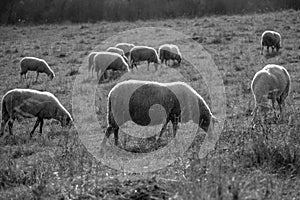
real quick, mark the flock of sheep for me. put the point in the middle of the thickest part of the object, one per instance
(270, 83)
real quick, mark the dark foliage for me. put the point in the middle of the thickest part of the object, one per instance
(53, 11)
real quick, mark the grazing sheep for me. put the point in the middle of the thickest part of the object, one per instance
(91, 62)
(169, 52)
(30, 103)
(272, 82)
(126, 47)
(132, 100)
(104, 61)
(35, 64)
(118, 51)
(143, 53)
(270, 39)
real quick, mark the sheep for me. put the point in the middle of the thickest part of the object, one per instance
(35, 64)
(91, 62)
(126, 47)
(132, 100)
(118, 51)
(169, 52)
(272, 82)
(143, 53)
(31, 103)
(270, 39)
(104, 61)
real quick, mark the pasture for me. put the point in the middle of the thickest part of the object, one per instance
(245, 163)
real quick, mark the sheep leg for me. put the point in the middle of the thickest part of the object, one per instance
(37, 76)
(3, 123)
(273, 106)
(35, 126)
(163, 128)
(268, 49)
(41, 126)
(262, 50)
(10, 126)
(116, 135)
(2, 128)
(280, 104)
(175, 128)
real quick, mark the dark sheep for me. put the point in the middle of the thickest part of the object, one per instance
(132, 99)
(143, 53)
(30, 103)
(168, 52)
(270, 39)
(35, 64)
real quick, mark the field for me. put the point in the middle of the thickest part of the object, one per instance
(244, 164)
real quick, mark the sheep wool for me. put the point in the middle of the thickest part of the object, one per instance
(35, 64)
(143, 53)
(126, 47)
(270, 39)
(30, 103)
(168, 52)
(272, 82)
(104, 61)
(132, 100)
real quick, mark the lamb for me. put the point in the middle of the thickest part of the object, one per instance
(118, 51)
(272, 82)
(30, 103)
(35, 64)
(169, 52)
(270, 39)
(91, 62)
(143, 53)
(126, 47)
(104, 61)
(132, 100)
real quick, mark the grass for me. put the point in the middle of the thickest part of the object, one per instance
(245, 164)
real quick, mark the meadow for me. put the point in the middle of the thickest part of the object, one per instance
(246, 163)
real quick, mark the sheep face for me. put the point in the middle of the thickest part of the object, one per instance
(51, 76)
(178, 58)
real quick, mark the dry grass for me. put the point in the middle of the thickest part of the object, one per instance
(246, 163)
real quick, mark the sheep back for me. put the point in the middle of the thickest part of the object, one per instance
(108, 60)
(271, 82)
(35, 64)
(177, 98)
(126, 47)
(271, 39)
(143, 53)
(115, 50)
(169, 52)
(30, 103)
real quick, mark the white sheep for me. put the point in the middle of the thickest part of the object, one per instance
(143, 53)
(30, 103)
(91, 62)
(126, 47)
(133, 100)
(272, 82)
(168, 52)
(35, 64)
(118, 51)
(104, 61)
(270, 39)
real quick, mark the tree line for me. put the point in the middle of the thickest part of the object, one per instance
(55, 11)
